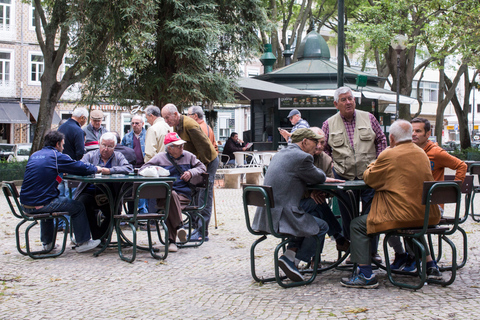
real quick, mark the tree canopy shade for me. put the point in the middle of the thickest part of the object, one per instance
(83, 30)
(194, 56)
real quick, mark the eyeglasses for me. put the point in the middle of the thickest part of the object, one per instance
(314, 140)
(178, 146)
(190, 114)
(106, 147)
(135, 123)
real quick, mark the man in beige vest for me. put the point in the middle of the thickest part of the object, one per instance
(354, 139)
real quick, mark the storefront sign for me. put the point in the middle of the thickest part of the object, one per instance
(307, 102)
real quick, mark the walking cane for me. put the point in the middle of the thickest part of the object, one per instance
(214, 207)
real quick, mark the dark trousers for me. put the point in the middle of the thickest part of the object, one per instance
(98, 228)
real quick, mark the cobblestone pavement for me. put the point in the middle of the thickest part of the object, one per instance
(211, 282)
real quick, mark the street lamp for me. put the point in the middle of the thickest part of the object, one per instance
(398, 44)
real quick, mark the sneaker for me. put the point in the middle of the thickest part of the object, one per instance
(196, 236)
(182, 235)
(411, 266)
(359, 281)
(172, 247)
(400, 261)
(289, 268)
(49, 246)
(377, 258)
(86, 246)
(433, 273)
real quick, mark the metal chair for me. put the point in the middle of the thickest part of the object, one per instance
(475, 170)
(192, 213)
(262, 196)
(433, 193)
(146, 190)
(467, 188)
(12, 196)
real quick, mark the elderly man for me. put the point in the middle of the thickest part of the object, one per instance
(184, 166)
(314, 202)
(394, 205)
(354, 138)
(197, 143)
(295, 118)
(197, 114)
(288, 174)
(93, 198)
(439, 160)
(94, 130)
(40, 194)
(74, 135)
(156, 133)
(135, 140)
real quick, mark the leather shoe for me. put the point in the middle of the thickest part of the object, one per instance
(343, 246)
(377, 258)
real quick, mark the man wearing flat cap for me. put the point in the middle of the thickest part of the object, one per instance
(295, 118)
(288, 174)
(94, 130)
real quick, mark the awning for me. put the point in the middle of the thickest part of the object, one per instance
(382, 97)
(34, 107)
(253, 89)
(10, 112)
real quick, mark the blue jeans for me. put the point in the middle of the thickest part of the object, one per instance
(307, 246)
(63, 188)
(207, 211)
(323, 212)
(76, 212)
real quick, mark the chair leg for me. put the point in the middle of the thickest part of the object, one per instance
(252, 262)
(453, 268)
(41, 254)
(133, 242)
(150, 242)
(475, 216)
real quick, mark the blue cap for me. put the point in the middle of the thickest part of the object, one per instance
(292, 113)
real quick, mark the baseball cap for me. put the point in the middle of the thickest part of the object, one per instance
(96, 115)
(292, 113)
(172, 137)
(304, 133)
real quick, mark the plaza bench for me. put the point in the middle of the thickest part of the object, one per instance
(232, 176)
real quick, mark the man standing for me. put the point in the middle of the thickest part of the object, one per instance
(197, 114)
(156, 133)
(40, 193)
(197, 143)
(92, 197)
(94, 130)
(74, 135)
(135, 139)
(354, 139)
(295, 165)
(184, 166)
(394, 205)
(439, 160)
(295, 118)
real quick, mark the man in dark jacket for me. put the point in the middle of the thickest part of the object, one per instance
(232, 145)
(40, 193)
(74, 135)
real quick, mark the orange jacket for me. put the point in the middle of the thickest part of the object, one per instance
(209, 132)
(441, 159)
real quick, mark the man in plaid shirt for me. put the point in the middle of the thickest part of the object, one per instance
(354, 138)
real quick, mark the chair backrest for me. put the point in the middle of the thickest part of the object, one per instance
(257, 195)
(475, 168)
(204, 182)
(153, 189)
(467, 185)
(11, 193)
(439, 192)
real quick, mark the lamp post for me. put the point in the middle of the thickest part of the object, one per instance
(398, 44)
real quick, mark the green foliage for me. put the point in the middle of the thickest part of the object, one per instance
(12, 170)
(192, 54)
(467, 154)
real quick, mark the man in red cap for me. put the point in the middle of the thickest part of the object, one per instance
(184, 166)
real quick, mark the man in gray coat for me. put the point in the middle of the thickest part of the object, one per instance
(288, 174)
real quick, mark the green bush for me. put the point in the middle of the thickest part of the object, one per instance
(467, 154)
(12, 170)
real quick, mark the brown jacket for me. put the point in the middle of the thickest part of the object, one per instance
(197, 141)
(397, 177)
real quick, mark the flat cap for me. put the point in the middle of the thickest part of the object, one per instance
(292, 113)
(304, 133)
(96, 115)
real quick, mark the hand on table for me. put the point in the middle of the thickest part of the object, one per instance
(334, 180)
(105, 171)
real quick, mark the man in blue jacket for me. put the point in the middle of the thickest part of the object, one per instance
(74, 135)
(40, 193)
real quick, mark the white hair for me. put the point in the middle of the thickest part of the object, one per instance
(401, 130)
(340, 91)
(170, 108)
(80, 112)
(198, 111)
(108, 136)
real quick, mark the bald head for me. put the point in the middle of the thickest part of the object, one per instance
(400, 131)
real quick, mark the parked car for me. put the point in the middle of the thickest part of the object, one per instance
(7, 151)
(451, 145)
(15, 152)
